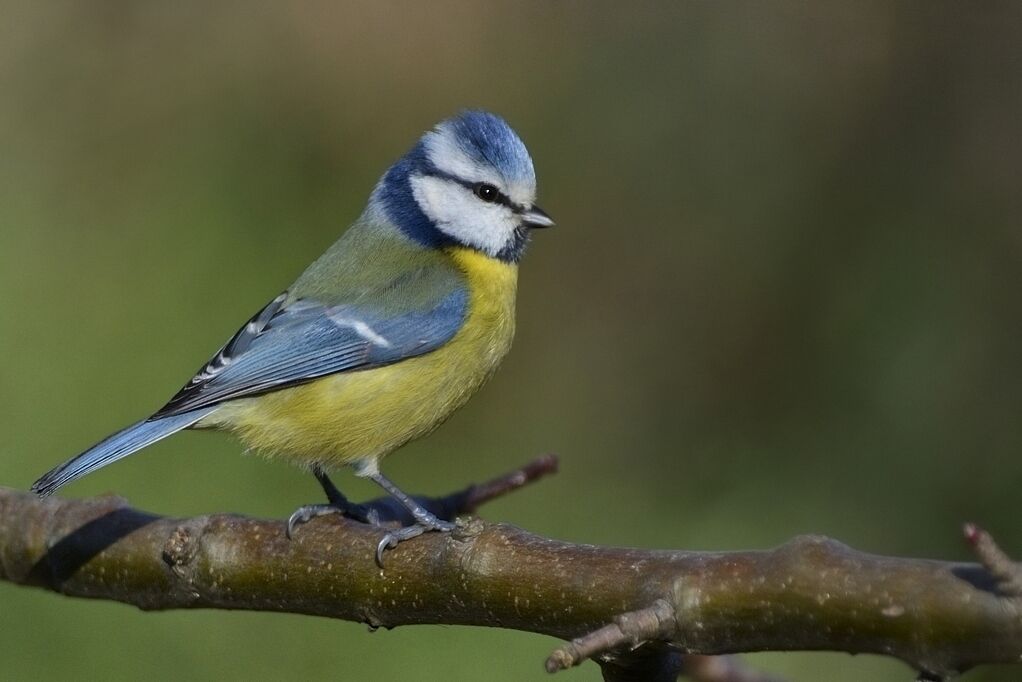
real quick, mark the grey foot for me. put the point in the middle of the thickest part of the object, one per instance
(309, 512)
(395, 537)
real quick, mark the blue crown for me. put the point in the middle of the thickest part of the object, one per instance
(487, 138)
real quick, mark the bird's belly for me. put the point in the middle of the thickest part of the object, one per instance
(363, 415)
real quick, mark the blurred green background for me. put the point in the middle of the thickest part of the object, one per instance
(783, 296)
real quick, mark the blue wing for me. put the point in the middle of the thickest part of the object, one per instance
(283, 345)
(287, 344)
(118, 446)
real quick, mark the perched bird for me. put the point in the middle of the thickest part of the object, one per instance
(380, 339)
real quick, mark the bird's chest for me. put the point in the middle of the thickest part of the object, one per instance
(366, 414)
(425, 390)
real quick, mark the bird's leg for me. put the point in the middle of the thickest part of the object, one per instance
(424, 520)
(338, 504)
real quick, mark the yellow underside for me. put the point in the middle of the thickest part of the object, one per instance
(363, 415)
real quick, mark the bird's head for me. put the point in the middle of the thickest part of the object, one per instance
(468, 182)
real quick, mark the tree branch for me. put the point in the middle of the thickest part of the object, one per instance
(641, 609)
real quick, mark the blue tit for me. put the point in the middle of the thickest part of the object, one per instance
(380, 339)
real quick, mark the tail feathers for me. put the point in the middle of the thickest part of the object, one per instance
(121, 444)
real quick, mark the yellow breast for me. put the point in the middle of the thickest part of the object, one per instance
(364, 415)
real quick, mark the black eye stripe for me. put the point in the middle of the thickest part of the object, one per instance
(502, 199)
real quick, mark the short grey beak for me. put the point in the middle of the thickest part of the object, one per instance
(536, 217)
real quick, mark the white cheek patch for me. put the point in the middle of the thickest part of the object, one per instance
(461, 215)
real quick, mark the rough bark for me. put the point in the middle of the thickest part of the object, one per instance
(634, 611)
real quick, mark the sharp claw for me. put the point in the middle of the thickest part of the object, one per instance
(294, 520)
(425, 522)
(382, 547)
(395, 537)
(308, 513)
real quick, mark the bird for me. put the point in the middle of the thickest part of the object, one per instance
(382, 337)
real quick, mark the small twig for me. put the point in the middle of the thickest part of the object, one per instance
(1006, 573)
(468, 500)
(631, 631)
(502, 485)
(628, 630)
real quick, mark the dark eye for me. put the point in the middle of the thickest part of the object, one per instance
(487, 193)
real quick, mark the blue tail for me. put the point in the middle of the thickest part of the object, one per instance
(121, 444)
